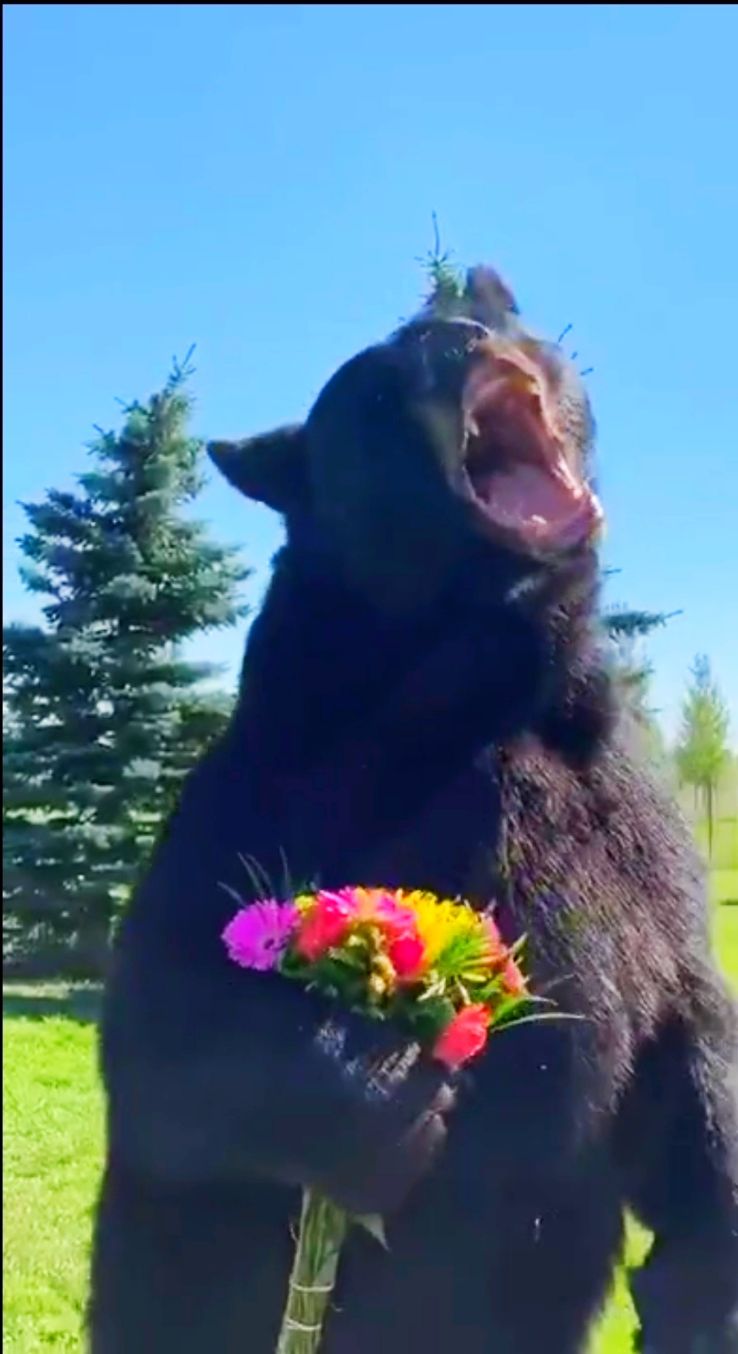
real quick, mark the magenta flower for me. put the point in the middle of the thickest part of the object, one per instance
(258, 935)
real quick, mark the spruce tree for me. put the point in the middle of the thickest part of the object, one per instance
(626, 628)
(102, 714)
(444, 280)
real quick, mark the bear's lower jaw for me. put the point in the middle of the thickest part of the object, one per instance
(532, 509)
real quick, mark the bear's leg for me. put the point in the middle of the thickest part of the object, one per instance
(682, 1136)
(556, 1247)
(188, 1271)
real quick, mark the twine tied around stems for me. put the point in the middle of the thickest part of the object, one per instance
(323, 1227)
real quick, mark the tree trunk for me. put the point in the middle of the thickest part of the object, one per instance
(87, 955)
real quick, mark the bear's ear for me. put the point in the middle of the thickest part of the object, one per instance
(271, 468)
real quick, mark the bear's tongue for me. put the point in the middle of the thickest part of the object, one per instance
(543, 507)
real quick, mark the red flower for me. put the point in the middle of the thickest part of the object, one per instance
(407, 954)
(513, 980)
(324, 926)
(463, 1037)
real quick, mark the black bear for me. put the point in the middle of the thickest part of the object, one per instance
(425, 704)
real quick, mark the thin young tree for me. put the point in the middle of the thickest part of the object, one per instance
(702, 749)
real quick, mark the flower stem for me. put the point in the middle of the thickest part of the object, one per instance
(322, 1231)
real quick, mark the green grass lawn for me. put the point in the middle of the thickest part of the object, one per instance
(615, 1335)
(52, 1145)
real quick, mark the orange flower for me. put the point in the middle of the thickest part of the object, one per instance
(463, 1037)
(513, 980)
(497, 948)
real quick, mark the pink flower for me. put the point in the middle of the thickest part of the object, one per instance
(463, 1037)
(407, 954)
(395, 920)
(325, 925)
(376, 906)
(258, 935)
(347, 901)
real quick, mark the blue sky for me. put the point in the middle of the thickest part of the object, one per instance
(260, 180)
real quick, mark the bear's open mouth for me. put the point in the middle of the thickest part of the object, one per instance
(523, 479)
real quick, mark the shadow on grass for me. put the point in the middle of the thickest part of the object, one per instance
(30, 1001)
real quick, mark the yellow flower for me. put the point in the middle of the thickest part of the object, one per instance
(439, 921)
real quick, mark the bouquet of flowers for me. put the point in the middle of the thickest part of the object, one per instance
(438, 967)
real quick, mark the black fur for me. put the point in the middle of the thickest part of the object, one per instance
(468, 743)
